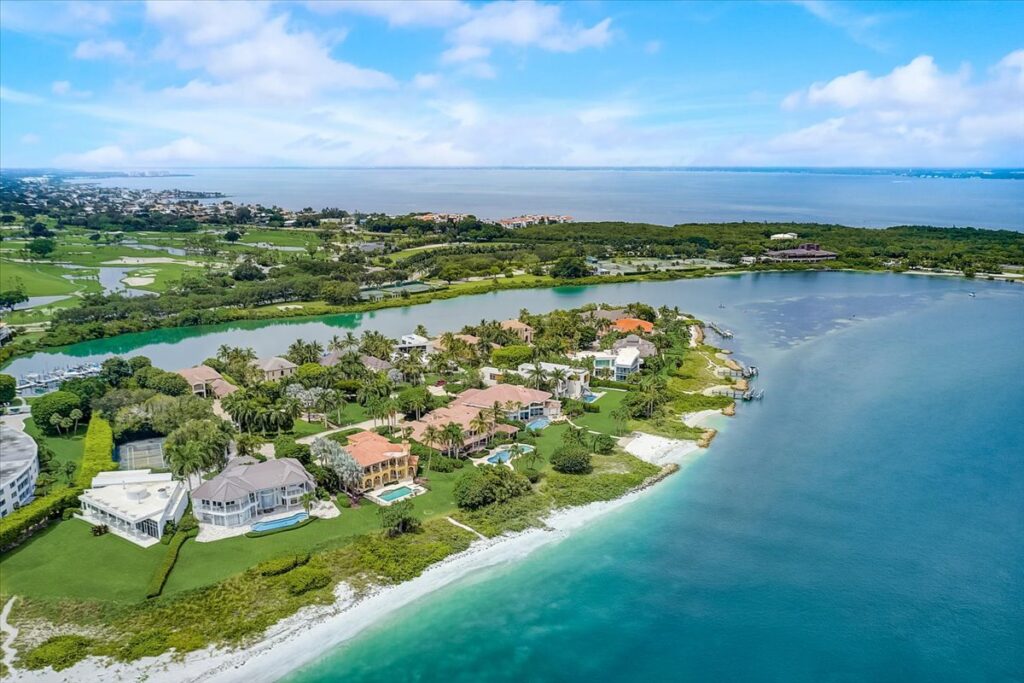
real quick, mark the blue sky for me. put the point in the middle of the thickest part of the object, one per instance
(165, 84)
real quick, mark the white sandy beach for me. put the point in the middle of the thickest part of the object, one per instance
(313, 631)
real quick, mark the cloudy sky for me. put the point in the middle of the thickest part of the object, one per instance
(450, 83)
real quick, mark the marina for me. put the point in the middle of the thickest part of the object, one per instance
(38, 383)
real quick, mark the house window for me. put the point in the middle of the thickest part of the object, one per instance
(148, 527)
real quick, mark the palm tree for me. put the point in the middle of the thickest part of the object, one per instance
(307, 499)
(513, 408)
(536, 376)
(453, 437)
(185, 461)
(431, 439)
(56, 420)
(558, 377)
(480, 425)
(75, 415)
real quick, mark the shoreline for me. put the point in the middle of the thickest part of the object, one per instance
(314, 631)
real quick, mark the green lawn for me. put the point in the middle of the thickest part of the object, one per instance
(303, 428)
(67, 561)
(65, 448)
(352, 413)
(38, 279)
(280, 237)
(602, 421)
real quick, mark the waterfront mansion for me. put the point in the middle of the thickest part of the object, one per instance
(384, 463)
(247, 488)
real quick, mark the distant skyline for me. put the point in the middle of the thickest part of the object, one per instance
(108, 86)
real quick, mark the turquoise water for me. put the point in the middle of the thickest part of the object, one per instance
(539, 423)
(504, 455)
(863, 522)
(396, 494)
(280, 523)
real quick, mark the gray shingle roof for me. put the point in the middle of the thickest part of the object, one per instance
(243, 476)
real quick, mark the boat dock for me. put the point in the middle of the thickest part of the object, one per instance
(739, 394)
(36, 383)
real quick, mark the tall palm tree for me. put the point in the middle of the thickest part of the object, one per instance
(558, 377)
(454, 437)
(480, 425)
(431, 439)
(536, 376)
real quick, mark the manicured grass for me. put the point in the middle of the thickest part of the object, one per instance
(280, 237)
(67, 561)
(303, 428)
(351, 414)
(603, 421)
(65, 448)
(38, 279)
(164, 275)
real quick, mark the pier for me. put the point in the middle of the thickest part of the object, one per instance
(725, 334)
(739, 394)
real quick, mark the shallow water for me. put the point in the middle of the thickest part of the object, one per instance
(864, 522)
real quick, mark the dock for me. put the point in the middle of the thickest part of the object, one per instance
(720, 331)
(740, 394)
(35, 383)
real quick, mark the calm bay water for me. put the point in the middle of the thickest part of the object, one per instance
(665, 197)
(865, 522)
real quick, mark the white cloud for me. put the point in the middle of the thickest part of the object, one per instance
(917, 114)
(528, 23)
(64, 18)
(102, 49)
(244, 53)
(400, 12)
(426, 81)
(29, 139)
(60, 87)
(862, 28)
(464, 53)
(18, 97)
(108, 156)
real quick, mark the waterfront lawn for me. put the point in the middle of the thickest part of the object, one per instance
(603, 421)
(65, 448)
(67, 561)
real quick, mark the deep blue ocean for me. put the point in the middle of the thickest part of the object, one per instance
(864, 522)
(859, 197)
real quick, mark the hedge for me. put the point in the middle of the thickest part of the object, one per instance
(270, 532)
(60, 652)
(98, 453)
(156, 584)
(610, 383)
(23, 521)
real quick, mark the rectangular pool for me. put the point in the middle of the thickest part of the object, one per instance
(396, 494)
(280, 523)
(539, 423)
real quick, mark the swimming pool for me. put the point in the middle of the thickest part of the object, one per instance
(590, 398)
(539, 423)
(505, 454)
(280, 523)
(396, 494)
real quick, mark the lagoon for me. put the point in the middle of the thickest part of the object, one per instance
(857, 295)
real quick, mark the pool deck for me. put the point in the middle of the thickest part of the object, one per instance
(375, 495)
(210, 532)
(482, 460)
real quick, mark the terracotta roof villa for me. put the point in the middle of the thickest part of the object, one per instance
(633, 325)
(205, 381)
(384, 463)
(805, 253)
(527, 404)
(247, 488)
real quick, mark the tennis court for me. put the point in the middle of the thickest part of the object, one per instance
(144, 454)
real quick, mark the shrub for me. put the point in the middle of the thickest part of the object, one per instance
(344, 501)
(532, 474)
(306, 578)
(570, 460)
(398, 518)
(55, 403)
(281, 565)
(603, 444)
(69, 513)
(98, 452)
(145, 644)
(100, 530)
(485, 485)
(163, 570)
(610, 383)
(441, 463)
(60, 652)
(8, 388)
